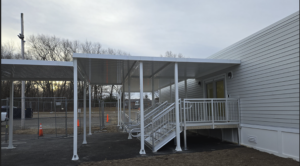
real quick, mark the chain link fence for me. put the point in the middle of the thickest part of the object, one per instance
(56, 114)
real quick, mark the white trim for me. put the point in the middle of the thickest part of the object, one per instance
(289, 130)
(35, 63)
(157, 59)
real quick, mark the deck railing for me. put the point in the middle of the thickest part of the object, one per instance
(211, 110)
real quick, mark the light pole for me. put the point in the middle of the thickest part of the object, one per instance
(21, 36)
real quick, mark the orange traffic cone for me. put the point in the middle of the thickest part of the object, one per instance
(41, 130)
(77, 122)
(107, 119)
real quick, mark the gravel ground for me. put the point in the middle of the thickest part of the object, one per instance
(227, 157)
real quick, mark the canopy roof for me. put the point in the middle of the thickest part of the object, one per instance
(114, 69)
(13, 69)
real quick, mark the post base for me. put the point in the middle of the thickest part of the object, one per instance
(129, 136)
(90, 134)
(142, 151)
(75, 157)
(84, 142)
(12, 147)
(178, 149)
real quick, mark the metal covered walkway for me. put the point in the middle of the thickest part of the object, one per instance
(134, 73)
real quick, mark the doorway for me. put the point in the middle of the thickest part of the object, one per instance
(215, 89)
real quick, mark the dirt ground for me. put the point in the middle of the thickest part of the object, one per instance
(107, 129)
(227, 157)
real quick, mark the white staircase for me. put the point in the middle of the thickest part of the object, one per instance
(161, 128)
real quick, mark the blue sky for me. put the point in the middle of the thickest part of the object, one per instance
(196, 29)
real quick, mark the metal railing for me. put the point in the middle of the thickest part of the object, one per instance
(149, 111)
(162, 124)
(211, 110)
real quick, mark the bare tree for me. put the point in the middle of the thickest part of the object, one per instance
(169, 54)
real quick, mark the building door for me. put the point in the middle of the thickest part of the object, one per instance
(216, 89)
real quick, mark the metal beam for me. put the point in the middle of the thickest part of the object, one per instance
(129, 70)
(160, 69)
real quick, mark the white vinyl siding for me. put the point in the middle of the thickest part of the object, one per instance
(194, 90)
(267, 81)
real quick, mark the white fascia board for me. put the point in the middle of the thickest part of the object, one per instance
(35, 62)
(158, 59)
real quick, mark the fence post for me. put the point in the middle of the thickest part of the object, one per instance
(6, 129)
(38, 108)
(66, 112)
(99, 115)
(102, 106)
(212, 112)
(55, 117)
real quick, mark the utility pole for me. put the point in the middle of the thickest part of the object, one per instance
(21, 36)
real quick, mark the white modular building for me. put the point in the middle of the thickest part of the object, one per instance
(247, 93)
(266, 83)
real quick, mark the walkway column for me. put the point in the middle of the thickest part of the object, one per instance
(120, 111)
(75, 155)
(90, 110)
(84, 113)
(153, 96)
(178, 148)
(185, 90)
(129, 101)
(118, 105)
(171, 93)
(142, 151)
(11, 116)
(123, 94)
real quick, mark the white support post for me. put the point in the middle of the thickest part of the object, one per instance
(11, 116)
(90, 110)
(153, 97)
(118, 108)
(75, 155)
(129, 99)
(170, 93)
(23, 105)
(84, 113)
(212, 113)
(184, 113)
(185, 87)
(142, 151)
(178, 148)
